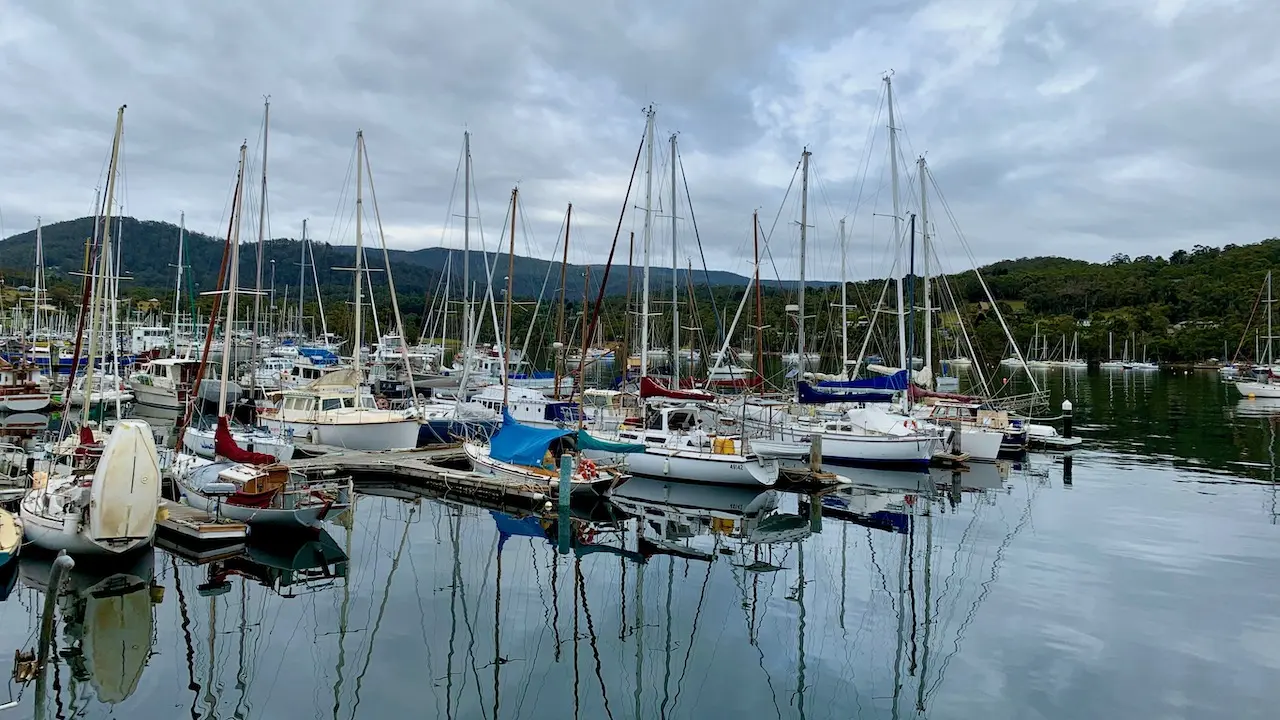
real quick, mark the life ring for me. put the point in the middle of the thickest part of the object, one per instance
(588, 469)
(382, 403)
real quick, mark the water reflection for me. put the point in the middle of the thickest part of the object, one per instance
(986, 592)
(105, 610)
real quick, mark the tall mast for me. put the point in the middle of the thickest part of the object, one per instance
(359, 248)
(39, 281)
(177, 286)
(755, 254)
(648, 236)
(675, 286)
(844, 306)
(506, 331)
(1270, 358)
(564, 267)
(302, 277)
(804, 227)
(262, 226)
(897, 238)
(104, 255)
(466, 246)
(233, 285)
(923, 171)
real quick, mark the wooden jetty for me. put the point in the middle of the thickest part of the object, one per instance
(197, 526)
(420, 465)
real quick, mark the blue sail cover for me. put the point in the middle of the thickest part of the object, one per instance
(896, 381)
(810, 396)
(320, 357)
(521, 444)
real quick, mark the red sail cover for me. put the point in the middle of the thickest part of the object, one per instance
(225, 446)
(650, 388)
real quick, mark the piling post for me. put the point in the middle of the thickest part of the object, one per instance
(61, 565)
(957, 447)
(815, 453)
(566, 479)
(1066, 419)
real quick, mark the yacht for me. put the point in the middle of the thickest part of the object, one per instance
(341, 411)
(162, 387)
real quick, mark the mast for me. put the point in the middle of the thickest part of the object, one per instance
(233, 282)
(804, 227)
(302, 277)
(844, 306)
(923, 172)
(1270, 358)
(648, 237)
(564, 268)
(675, 287)
(897, 237)
(104, 257)
(755, 252)
(262, 225)
(359, 249)
(506, 331)
(177, 287)
(466, 249)
(39, 283)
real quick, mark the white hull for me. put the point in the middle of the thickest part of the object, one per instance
(156, 402)
(352, 436)
(307, 517)
(95, 398)
(980, 444)
(116, 513)
(24, 403)
(1259, 390)
(704, 467)
(64, 534)
(870, 449)
(200, 441)
(780, 449)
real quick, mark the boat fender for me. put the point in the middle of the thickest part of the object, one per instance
(666, 466)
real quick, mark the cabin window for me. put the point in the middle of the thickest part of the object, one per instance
(330, 404)
(348, 402)
(367, 402)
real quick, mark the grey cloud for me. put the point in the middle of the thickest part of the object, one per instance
(1053, 127)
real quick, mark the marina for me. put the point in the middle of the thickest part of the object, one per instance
(900, 589)
(676, 366)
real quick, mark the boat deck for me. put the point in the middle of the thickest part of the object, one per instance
(198, 526)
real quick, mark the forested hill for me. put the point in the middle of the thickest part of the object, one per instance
(1184, 307)
(150, 251)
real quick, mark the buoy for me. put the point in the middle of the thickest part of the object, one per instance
(1251, 396)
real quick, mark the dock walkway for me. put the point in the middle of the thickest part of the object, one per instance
(420, 465)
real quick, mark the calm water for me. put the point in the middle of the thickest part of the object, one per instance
(1148, 587)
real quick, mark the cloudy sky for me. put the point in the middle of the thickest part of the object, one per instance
(1065, 127)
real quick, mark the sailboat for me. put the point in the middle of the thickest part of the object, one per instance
(676, 444)
(339, 408)
(1264, 385)
(21, 390)
(527, 454)
(1111, 363)
(201, 436)
(252, 488)
(116, 511)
